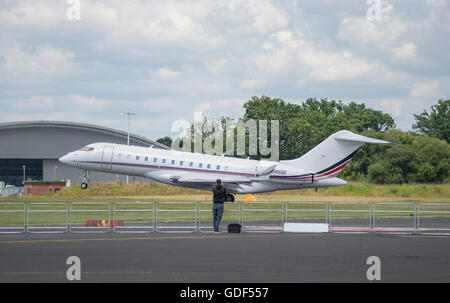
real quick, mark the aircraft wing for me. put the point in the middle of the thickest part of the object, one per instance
(208, 180)
(194, 181)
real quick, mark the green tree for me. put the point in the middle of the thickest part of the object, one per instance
(436, 123)
(304, 126)
(417, 158)
(167, 141)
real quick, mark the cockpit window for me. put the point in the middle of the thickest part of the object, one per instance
(87, 149)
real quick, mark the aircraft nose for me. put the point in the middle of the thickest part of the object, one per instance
(65, 159)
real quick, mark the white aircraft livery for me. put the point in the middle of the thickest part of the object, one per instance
(316, 168)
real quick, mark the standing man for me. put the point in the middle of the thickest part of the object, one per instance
(219, 192)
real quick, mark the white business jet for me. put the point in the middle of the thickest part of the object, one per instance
(316, 168)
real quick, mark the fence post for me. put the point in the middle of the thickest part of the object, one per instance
(416, 219)
(372, 217)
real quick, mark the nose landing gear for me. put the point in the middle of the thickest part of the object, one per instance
(85, 179)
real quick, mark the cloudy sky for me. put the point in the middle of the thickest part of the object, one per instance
(166, 60)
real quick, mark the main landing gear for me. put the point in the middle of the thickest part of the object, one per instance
(85, 179)
(229, 198)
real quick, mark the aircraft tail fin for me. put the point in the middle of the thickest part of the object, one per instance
(332, 154)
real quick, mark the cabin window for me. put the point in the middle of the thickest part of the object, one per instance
(146, 159)
(181, 163)
(155, 160)
(191, 164)
(208, 166)
(137, 157)
(163, 160)
(173, 162)
(218, 166)
(128, 156)
(200, 165)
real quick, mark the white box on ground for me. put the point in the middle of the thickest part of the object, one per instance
(306, 227)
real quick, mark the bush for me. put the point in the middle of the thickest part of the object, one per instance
(417, 158)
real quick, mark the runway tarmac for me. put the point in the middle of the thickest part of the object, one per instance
(224, 257)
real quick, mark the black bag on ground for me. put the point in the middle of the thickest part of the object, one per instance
(234, 228)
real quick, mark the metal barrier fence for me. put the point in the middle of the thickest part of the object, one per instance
(13, 213)
(262, 216)
(89, 217)
(139, 220)
(307, 212)
(189, 217)
(231, 214)
(171, 217)
(350, 217)
(394, 217)
(46, 220)
(426, 218)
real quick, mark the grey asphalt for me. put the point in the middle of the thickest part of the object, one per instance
(224, 257)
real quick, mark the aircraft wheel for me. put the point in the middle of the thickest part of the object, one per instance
(229, 198)
(84, 185)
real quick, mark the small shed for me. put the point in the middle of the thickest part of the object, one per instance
(40, 187)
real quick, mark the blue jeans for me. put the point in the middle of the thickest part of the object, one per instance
(217, 215)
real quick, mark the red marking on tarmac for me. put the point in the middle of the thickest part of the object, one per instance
(368, 229)
(262, 228)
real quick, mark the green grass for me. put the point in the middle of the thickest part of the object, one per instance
(156, 192)
(132, 213)
(150, 191)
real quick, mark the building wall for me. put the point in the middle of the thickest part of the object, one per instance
(51, 142)
(31, 188)
(47, 142)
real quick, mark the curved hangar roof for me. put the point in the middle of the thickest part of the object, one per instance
(52, 139)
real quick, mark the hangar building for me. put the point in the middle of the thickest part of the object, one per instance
(34, 147)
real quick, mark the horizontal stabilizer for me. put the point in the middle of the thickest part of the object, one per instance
(349, 136)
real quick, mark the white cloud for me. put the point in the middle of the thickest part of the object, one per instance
(436, 3)
(393, 106)
(164, 59)
(216, 65)
(87, 103)
(406, 51)
(402, 109)
(216, 107)
(161, 23)
(34, 14)
(43, 65)
(203, 107)
(361, 31)
(257, 16)
(33, 104)
(289, 52)
(424, 89)
(167, 74)
(251, 84)
(339, 66)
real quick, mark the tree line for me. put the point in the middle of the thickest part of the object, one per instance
(420, 156)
